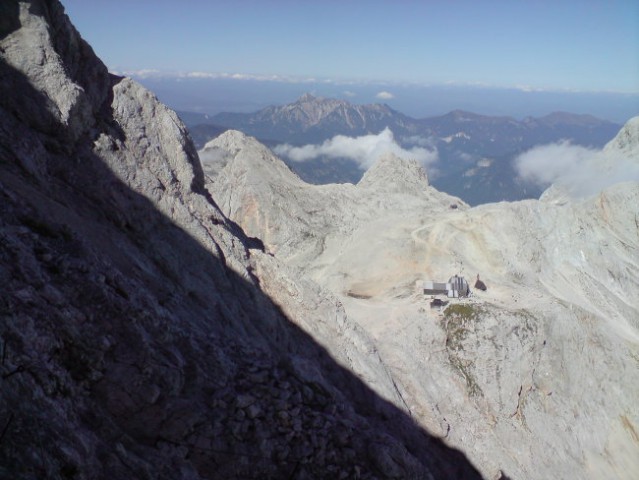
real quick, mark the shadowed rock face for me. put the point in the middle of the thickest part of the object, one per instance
(137, 340)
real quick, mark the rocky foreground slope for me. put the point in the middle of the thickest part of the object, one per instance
(140, 335)
(538, 376)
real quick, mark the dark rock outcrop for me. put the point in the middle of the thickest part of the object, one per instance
(136, 340)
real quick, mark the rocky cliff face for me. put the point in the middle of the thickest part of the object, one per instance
(140, 331)
(536, 377)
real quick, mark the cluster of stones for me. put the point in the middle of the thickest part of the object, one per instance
(265, 416)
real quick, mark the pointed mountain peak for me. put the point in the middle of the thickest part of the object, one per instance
(217, 153)
(308, 97)
(244, 154)
(231, 141)
(393, 173)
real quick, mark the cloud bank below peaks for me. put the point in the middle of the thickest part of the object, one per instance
(580, 171)
(365, 150)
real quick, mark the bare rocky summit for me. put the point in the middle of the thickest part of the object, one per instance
(143, 334)
(293, 218)
(536, 377)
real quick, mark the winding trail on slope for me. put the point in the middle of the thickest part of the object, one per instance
(416, 237)
(430, 247)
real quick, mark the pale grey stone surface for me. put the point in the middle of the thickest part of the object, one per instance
(535, 378)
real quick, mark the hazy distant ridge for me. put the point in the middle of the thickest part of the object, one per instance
(476, 152)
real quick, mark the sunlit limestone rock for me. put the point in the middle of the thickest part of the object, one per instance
(391, 174)
(543, 361)
(260, 193)
(627, 140)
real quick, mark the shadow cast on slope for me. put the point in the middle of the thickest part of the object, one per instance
(130, 350)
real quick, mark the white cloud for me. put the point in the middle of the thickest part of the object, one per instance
(579, 170)
(528, 88)
(349, 93)
(365, 150)
(242, 76)
(384, 95)
(143, 73)
(151, 73)
(199, 75)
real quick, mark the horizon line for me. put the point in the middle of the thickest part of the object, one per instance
(151, 73)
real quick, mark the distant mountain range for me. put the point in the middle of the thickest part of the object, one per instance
(475, 151)
(313, 119)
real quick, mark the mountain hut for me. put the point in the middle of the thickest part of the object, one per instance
(457, 287)
(435, 288)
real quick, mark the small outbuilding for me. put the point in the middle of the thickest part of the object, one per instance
(437, 302)
(479, 285)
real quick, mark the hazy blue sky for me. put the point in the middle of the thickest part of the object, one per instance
(560, 44)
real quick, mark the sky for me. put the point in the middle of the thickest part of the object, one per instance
(422, 57)
(574, 45)
(372, 50)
